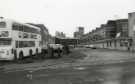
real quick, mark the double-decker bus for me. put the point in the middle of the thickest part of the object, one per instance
(18, 40)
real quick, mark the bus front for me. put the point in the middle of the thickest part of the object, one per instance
(6, 52)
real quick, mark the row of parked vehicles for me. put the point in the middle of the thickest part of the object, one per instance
(88, 46)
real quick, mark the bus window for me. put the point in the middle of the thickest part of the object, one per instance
(20, 27)
(5, 42)
(23, 44)
(25, 35)
(4, 33)
(2, 25)
(33, 36)
(15, 27)
(24, 28)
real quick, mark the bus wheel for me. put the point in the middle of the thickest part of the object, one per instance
(21, 56)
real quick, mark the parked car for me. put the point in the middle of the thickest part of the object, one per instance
(90, 46)
(56, 46)
(86, 46)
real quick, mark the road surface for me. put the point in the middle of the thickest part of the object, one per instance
(81, 71)
(101, 74)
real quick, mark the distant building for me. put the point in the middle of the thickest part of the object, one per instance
(131, 27)
(122, 27)
(81, 30)
(113, 27)
(115, 34)
(98, 33)
(76, 34)
(66, 41)
(79, 33)
(110, 29)
(60, 34)
(131, 24)
(103, 31)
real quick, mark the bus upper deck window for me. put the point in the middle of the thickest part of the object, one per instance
(2, 25)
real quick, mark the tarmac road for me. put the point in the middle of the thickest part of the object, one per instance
(123, 73)
(98, 67)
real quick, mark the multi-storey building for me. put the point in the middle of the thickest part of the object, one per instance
(131, 28)
(60, 34)
(115, 34)
(131, 24)
(79, 33)
(81, 30)
(102, 31)
(110, 29)
(122, 27)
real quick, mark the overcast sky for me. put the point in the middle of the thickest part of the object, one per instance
(66, 15)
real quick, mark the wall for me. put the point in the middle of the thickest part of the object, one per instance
(131, 23)
(119, 44)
